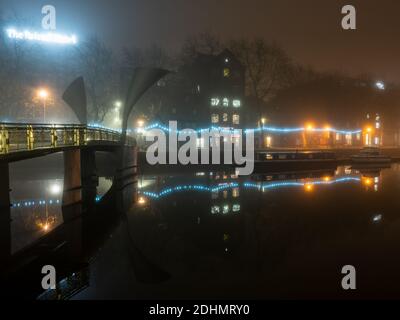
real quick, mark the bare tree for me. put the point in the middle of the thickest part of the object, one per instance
(205, 43)
(98, 68)
(268, 68)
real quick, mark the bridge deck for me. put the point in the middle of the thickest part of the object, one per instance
(21, 141)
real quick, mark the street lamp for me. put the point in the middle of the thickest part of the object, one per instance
(118, 104)
(380, 85)
(43, 94)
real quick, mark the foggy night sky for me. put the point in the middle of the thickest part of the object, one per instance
(309, 30)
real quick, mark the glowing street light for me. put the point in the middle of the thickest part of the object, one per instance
(43, 94)
(118, 104)
(140, 123)
(55, 189)
(309, 127)
(142, 201)
(380, 85)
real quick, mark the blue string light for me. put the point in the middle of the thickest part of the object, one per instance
(263, 186)
(33, 203)
(259, 129)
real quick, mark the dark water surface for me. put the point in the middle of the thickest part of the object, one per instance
(216, 235)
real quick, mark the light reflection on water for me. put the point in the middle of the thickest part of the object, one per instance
(37, 208)
(260, 236)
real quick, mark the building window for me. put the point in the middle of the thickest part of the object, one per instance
(235, 192)
(236, 103)
(215, 102)
(225, 209)
(337, 136)
(225, 117)
(377, 125)
(225, 102)
(348, 138)
(235, 119)
(227, 72)
(214, 118)
(358, 136)
(268, 141)
(236, 208)
(215, 209)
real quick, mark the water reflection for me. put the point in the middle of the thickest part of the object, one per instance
(217, 235)
(36, 208)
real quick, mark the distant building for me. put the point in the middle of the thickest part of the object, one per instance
(213, 92)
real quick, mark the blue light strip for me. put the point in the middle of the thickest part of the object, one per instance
(262, 186)
(299, 184)
(266, 129)
(190, 187)
(33, 203)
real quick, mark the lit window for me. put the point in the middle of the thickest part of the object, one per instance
(377, 125)
(225, 209)
(227, 72)
(376, 140)
(225, 117)
(235, 192)
(337, 136)
(236, 207)
(214, 209)
(215, 102)
(214, 118)
(235, 119)
(348, 138)
(236, 103)
(225, 194)
(225, 102)
(358, 136)
(268, 141)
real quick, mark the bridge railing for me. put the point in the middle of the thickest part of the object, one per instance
(16, 137)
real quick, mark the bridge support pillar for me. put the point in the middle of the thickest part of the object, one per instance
(80, 181)
(72, 195)
(126, 178)
(5, 213)
(89, 177)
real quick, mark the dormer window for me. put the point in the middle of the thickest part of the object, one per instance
(227, 72)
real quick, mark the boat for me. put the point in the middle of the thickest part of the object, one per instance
(370, 155)
(290, 161)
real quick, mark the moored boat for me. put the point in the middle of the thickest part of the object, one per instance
(370, 155)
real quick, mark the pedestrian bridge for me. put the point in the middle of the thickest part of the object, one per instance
(79, 144)
(20, 141)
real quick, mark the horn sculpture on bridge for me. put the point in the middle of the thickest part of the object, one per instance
(75, 97)
(143, 78)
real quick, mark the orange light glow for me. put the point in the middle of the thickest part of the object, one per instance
(367, 181)
(309, 187)
(43, 93)
(326, 179)
(309, 126)
(141, 200)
